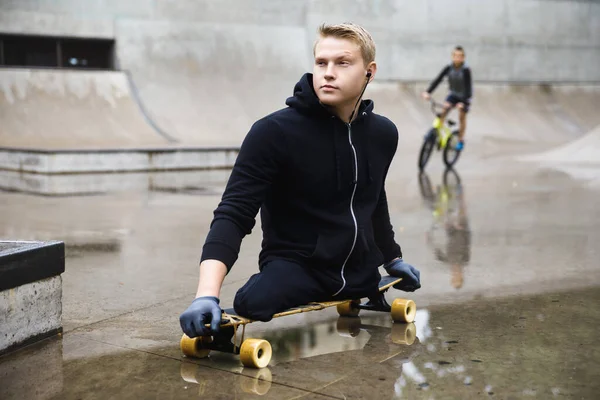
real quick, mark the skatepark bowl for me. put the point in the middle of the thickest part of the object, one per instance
(508, 309)
(127, 166)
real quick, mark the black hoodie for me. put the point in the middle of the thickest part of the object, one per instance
(298, 165)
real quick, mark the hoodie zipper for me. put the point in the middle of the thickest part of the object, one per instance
(355, 182)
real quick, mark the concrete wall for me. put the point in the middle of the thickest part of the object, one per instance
(506, 40)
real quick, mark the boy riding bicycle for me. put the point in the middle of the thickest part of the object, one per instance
(461, 90)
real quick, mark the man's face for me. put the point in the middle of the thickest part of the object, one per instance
(458, 57)
(339, 73)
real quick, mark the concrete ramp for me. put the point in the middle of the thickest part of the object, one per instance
(549, 115)
(585, 150)
(207, 83)
(62, 121)
(580, 159)
(199, 107)
(61, 109)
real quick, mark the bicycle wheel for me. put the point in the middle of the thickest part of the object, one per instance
(450, 153)
(427, 148)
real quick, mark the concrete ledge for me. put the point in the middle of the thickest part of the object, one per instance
(30, 292)
(30, 313)
(199, 182)
(26, 262)
(115, 160)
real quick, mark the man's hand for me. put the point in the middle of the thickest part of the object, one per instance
(426, 95)
(411, 277)
(202, 311)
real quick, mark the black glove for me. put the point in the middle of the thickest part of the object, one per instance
(411, 277)
(202, 311)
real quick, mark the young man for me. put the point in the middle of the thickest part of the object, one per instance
(461, 90)
(316, 170)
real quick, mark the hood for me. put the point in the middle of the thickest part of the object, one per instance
(306, 101)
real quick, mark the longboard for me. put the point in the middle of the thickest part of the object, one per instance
(257, 353)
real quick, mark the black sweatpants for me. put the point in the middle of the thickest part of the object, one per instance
(284, 284)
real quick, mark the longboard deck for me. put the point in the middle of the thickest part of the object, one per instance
(231, 318)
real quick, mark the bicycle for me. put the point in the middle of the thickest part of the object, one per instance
(441, 136)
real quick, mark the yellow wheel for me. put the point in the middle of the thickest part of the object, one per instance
(348, 309)
(348, 327)
(403, 333)
(403, 310)
(256, 381)
(255, 353)
(192, 347)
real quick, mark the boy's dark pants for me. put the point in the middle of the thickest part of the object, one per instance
(283, 284)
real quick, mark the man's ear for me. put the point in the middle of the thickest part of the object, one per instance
(371, 70)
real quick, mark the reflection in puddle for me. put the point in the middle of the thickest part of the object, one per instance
(74, 249)
(534, 346)
(252, 381)
(327, 356)
(544, 345)
(379, 337)
(190, 190)
(449, 235)
(20, 369)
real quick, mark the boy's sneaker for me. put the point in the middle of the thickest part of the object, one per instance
(459, 146)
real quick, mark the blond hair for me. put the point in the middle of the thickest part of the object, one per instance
(352, 32)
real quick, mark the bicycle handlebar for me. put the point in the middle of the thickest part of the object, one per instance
(435, 104)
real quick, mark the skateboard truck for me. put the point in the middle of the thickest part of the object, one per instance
(223, 341)
(376, 303)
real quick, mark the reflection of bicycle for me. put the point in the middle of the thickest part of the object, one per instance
(436, 200)
(449, 235)
(440, 136)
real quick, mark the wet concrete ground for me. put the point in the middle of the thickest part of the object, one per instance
(508, 309)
